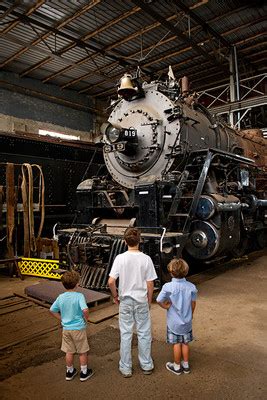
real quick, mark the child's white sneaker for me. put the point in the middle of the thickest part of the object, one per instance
(171, 367)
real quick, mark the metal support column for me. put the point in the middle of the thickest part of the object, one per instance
(232, 86)
(237, 87)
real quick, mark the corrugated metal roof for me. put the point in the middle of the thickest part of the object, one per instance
(87, 45)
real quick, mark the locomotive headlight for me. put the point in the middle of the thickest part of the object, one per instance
(113, 134)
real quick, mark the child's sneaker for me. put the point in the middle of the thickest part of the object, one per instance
(87, 375)
(170, 367)
(186, 370)
(71, 375)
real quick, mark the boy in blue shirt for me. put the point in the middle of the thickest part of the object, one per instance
(178, 297)
(71, 309)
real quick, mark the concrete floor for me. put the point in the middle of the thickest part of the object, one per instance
(10, 285)
(228, 357)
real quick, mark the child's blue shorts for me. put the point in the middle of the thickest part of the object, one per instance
(174, 339)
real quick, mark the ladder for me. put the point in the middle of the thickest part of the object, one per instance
(188, 192)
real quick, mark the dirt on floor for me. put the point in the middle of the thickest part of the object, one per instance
(46, 348)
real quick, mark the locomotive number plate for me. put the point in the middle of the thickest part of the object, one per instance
(129, 133)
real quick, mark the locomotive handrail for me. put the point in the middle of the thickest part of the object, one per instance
(198, 191)
(226, 154)
(161, 240)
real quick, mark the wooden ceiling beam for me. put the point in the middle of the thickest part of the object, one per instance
(245, 25)
(44, 36)
(128, 38)
(31, 10)
(14, 39)
(118, 60)
(66, 69)
(34, 67)
(109, 24)
(174, 67)
(96, 54)
(91, 73)
(207, 28)
(188, 41)
(243, 41)
(79, 43)
(105, 67)
(8, 11)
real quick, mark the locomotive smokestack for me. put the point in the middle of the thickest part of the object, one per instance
(184, 86)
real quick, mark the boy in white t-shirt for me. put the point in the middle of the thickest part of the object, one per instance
(136, 274)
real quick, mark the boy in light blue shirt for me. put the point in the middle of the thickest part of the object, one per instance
(71, 309)
(178, 297)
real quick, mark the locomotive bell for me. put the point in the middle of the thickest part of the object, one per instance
(126, 88)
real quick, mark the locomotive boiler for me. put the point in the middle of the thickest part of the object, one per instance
(194, 186)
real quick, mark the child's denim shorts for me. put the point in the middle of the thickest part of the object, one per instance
(172, 338)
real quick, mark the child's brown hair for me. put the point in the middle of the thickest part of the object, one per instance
(178, 268)
(70, 279)
(132, 236)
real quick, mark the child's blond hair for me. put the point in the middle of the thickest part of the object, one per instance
(178, 268)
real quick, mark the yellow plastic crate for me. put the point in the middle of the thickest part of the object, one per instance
(39, 267)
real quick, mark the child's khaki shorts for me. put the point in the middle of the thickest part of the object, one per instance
(74, 341)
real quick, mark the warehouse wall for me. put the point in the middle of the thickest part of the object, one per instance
(28, 104)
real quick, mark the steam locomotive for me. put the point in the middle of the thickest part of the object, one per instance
(194, 186)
